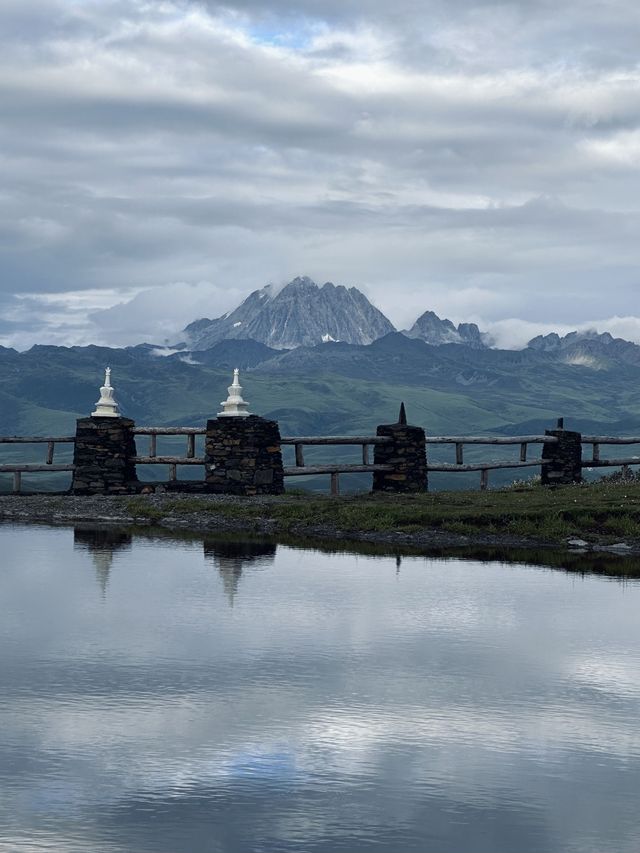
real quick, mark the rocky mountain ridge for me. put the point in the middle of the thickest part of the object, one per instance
(304, 314)
(432, 330)
(587, 349)
(300, 314)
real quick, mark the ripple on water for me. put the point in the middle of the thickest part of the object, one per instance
(164, 695)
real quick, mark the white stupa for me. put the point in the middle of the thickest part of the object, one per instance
(234, 406)
(106, 407)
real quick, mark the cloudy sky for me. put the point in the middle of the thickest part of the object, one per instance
(160, 159)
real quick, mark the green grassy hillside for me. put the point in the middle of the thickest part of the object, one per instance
(333, 389)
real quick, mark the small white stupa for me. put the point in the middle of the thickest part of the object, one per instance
(106, 407)
(234, 406)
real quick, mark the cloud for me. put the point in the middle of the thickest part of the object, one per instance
(515, 334)
(476, 158)
(161, 313)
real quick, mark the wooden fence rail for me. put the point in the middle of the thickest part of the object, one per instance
(18, 469)
(172, 461)
(484, 467)
(596, 462)
(458, 440)
(37, 439)
(365, 441)
(153, 458)
(301, 468)
(330, 440)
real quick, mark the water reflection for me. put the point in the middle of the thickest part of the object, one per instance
(459, 705)
(102, 543)
(580, 562)
(231, 556)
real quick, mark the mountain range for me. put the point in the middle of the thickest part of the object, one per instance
(304, 314)
(335, 387)
(454, 383)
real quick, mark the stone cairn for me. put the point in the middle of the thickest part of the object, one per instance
(405, 453)
(242, 451)
(104, 449)
(562, 460)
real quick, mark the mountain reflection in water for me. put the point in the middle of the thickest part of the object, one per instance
(186, 694)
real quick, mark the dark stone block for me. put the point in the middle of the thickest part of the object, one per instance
(104, 448)
(245, 455)
(407, 457)
(562, 460)
(264, 477)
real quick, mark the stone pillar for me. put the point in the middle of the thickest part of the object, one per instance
(104, 449)
(243, 456)
(562, 460)
(406, 453)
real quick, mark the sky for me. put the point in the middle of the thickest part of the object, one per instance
(160, 159)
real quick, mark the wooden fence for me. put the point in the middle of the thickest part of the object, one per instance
(596, 462)
(172, 461)
(33, 468)
(459, 441)
(364, 441)
(523, 442)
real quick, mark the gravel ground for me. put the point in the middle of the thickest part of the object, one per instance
(66, 509)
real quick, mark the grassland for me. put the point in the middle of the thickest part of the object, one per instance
(597, 513)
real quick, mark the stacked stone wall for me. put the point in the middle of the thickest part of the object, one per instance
(406, 454)
(562, 460)
(243, 456)
(103, 454)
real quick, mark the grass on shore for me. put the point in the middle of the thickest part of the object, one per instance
(601, 511)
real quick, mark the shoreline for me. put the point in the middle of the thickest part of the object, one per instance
(278, 517)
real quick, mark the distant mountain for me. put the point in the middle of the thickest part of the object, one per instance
(328, 387)
(432, 330)
(301, 314)
(230, 354)
(587, 349)
(332, 388)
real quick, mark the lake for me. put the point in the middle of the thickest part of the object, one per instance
(189, 695)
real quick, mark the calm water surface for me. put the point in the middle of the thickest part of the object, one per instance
(164, 695)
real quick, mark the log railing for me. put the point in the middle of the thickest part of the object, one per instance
(484, 467)
(20, 468)
(597, 462)
(172, 461)
(458, 440)
(301, 468)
